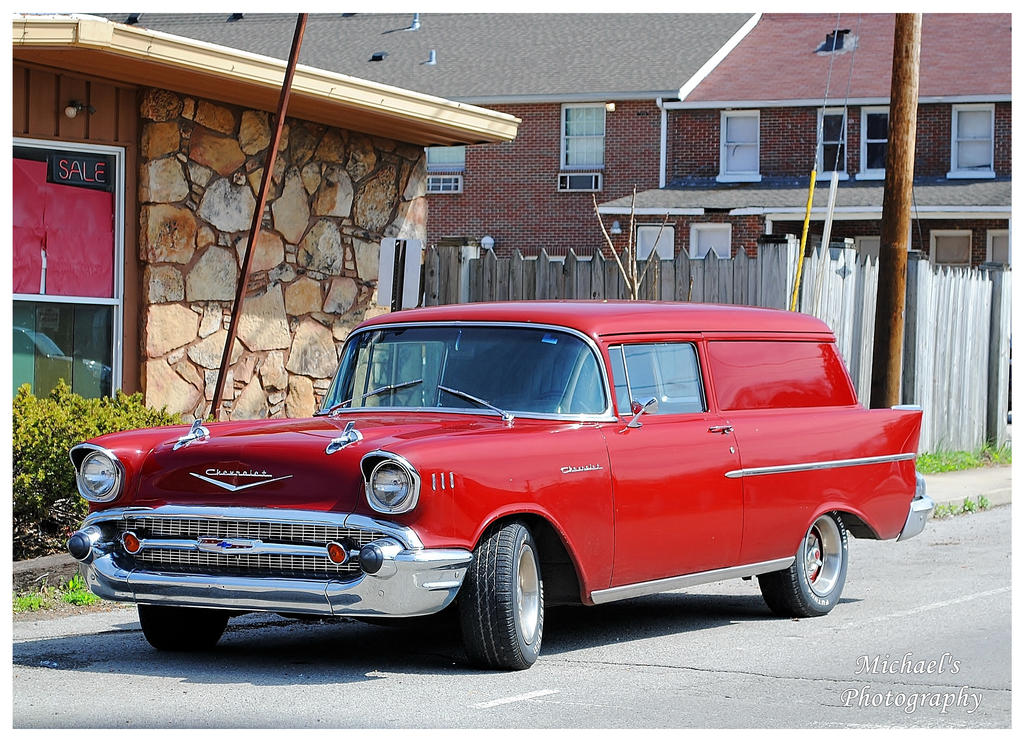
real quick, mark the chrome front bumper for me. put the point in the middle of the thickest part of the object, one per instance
(411, 581)
(921, 508)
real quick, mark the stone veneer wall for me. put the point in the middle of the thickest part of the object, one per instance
(334, 195)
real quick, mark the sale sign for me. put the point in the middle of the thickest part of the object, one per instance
(81, 170)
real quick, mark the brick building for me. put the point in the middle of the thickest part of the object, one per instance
(587, 88)
(744, 137)
(613, 101)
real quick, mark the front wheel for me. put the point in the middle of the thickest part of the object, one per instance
(814, 582)
(177, 629)
(501, 603)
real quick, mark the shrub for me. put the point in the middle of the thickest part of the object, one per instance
(47, 506)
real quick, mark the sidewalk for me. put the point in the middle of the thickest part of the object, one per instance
(950, 488)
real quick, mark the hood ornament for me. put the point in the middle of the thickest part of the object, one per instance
(197, 432)
(349, 436)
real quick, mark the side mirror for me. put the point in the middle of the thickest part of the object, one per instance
(651, 406)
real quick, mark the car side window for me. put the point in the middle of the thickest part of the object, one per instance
(668, 372)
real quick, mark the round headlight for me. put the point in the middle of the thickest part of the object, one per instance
(98, 477)
(392, 487)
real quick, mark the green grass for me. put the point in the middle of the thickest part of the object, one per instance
(967, 506)
(74, 592)
(940, 461)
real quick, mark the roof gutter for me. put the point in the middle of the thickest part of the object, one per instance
(663, 160)
(587, 97)
(817, 102)
(234, 65)
(791, 213)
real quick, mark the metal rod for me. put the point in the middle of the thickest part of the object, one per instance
(257, 215)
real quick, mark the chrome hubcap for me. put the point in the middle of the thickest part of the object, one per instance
(823, 555)
(528, 594)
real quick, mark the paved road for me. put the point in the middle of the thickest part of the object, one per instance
(706, 657)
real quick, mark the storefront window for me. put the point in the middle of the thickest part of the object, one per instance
(66, 283)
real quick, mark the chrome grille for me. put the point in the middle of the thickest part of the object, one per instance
(297, 533)
(277, 565)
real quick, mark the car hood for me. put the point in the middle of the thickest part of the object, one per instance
(281, 464)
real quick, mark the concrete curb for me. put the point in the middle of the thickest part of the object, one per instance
(53, 571)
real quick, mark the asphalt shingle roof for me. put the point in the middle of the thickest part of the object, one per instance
(483, 57)
(788, 194)
(961, 54)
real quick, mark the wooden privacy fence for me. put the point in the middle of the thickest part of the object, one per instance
(957, 326)
(451, 278)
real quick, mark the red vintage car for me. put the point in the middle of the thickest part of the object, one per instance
(500, 457)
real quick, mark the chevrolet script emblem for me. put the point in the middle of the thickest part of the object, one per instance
(261, 476)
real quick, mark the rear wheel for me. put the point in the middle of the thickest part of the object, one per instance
(814, 582)
(177, 629)
(501, 603)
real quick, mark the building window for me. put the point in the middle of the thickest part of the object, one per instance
(655, 237)
(951, 246)
(832, 150)
(998, 248)
(67, 246)
(444, 169)
(740, 146)
(710, 238)
(874, 142)
(971, 154)
(583, 137)
(444, 183)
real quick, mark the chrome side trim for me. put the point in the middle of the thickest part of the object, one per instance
(607, 415)
(637, 589)
(813, 465)
(406, 536)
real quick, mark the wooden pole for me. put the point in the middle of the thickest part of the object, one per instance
(896, 204)
(257, 214)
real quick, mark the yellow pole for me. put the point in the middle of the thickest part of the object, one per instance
(803, 242)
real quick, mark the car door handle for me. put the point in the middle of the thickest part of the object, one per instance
(723, 429)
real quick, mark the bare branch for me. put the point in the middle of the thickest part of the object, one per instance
(608, 239)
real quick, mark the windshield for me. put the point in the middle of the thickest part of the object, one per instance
(490, 369)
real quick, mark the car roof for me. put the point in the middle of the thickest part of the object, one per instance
(604, 318)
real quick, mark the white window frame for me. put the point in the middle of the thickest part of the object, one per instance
(866, 173)
(988, 244)
(117, 301)
(436, 183)
(697, 227)
(665, 245)
(949, 233)
(727, 176)
(954, 169)
(562, 136)
(822, 170)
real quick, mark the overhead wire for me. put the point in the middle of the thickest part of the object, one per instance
(826, 233)
(814, 174)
